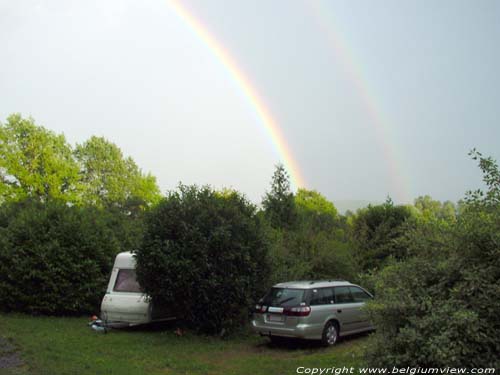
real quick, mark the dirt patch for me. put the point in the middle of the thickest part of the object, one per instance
(9, 355)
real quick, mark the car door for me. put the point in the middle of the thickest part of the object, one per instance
(360, 297)
(322, 306)
(347, 310)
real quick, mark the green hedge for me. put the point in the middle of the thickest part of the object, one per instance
(54, 259)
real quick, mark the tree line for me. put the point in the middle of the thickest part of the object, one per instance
(65, 212)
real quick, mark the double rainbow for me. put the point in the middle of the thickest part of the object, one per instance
(268, 122)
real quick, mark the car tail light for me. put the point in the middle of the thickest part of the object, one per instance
(297, 311)
(260, 308)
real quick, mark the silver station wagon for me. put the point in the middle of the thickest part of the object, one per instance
(316, 310)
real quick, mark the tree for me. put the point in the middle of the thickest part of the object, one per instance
(111, 180)
(315, 211)
(35, 163)
(430, 209)
(205, 253)
(316, 246)
(376, 231)
(301, 254)
(278, 204)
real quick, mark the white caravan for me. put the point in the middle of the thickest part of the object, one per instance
(124, 303)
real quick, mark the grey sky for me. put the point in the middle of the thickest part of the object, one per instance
(134, 72)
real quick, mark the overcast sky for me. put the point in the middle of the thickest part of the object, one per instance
(374, 98)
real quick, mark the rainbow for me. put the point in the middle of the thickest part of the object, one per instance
(270, 125)
(326, 23)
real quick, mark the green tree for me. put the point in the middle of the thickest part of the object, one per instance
(304, 254)
(430, 209)
(279, 205)
(316, 246)
(111, 180)
(315, 211)
(376, 233)
(35, 163)
(205, 253)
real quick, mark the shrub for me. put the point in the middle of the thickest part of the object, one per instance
(54, 259)
(440, 307)
(205, 253)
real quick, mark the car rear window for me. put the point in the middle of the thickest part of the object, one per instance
(284, 297)
(126, 282)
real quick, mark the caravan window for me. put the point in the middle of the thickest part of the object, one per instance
(126, 282)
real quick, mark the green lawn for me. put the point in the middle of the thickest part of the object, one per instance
(68, 346)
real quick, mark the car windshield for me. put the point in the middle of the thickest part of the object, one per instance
(284, 297)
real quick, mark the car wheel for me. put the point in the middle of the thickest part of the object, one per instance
(330, 334)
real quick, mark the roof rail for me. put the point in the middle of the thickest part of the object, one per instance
(325, 281)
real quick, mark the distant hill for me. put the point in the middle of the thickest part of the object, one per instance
(353, 205)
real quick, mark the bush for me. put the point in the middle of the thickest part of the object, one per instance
(440, 307)
(54, 259)
(205, 253)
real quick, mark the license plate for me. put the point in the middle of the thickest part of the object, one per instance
(275, 309)
(275, 318)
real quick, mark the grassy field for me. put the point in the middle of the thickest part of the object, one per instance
(49, 345)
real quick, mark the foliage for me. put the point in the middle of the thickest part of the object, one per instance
(303, 255)
(376, 231)
(204, 252)
(491, 177)
(111, 180)
(39, 164)
(54, 258)
(315, 211)
(278, 204)
(35, 163)
(432, 209)
(316, 247)
(440, 306)
(307, 235)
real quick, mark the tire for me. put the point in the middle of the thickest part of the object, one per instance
(330, 334)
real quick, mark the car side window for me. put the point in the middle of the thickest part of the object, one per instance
(359, 295)
(343, 295)
(321, 296)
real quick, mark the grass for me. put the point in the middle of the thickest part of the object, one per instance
(50, 345)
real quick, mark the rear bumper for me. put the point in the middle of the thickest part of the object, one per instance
(127, 309)
(302, 331)
(121, 318)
